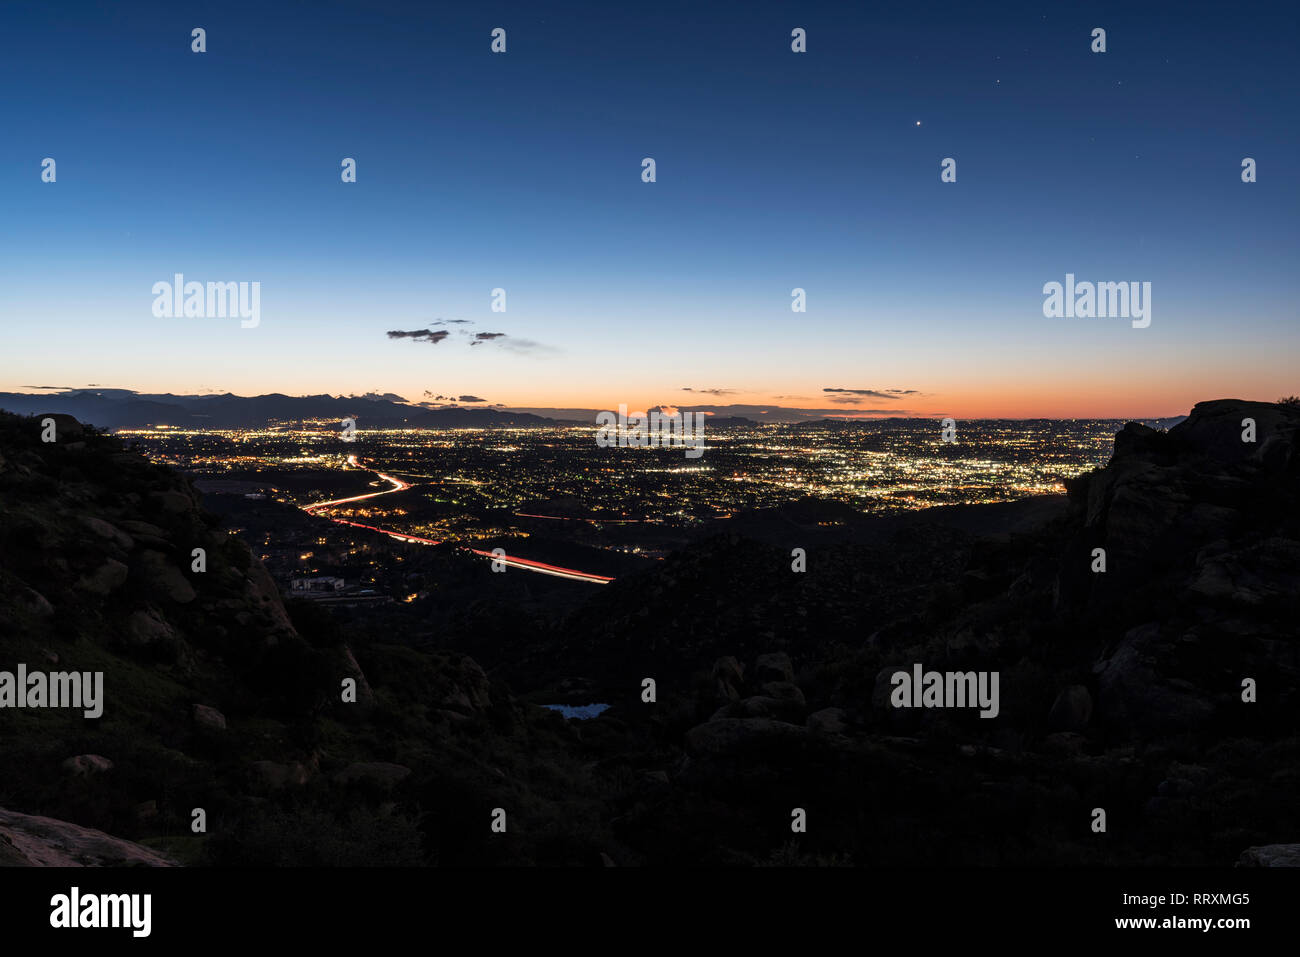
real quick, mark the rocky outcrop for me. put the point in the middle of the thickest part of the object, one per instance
(209, 718)
(1200, 589)
(34, 841)
(1271, 855)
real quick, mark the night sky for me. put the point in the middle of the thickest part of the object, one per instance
(775, 170)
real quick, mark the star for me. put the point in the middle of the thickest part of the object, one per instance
(918, 122)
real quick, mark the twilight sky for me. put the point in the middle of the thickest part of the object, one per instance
(775, 170)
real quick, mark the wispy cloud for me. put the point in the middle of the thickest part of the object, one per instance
(874, 393)
(854, 396)
(420, 335)
(501, 339)
(709, 391)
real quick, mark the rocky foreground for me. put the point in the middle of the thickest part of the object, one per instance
(1162, 690)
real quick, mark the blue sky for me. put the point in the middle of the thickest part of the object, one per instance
(774, 170)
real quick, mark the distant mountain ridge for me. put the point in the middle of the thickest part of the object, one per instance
(122, 409)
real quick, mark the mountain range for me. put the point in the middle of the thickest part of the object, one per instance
(124, 409)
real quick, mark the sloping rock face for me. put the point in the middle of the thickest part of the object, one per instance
(98, 573)
(32, 841)
(1271, 855)
(1202, 551)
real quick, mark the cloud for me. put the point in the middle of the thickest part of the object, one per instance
(51, 388)
(476, 338)
(470, 398)
(525, 346)
(382, 396)
(510, 343)
(852, 396)
(710, 391)
(452, 322)
(420, 335)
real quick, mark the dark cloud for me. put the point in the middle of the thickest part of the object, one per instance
(452, 322)
(470, 398)
(52, 388)
(481, 337)
(420, 335)
(381, 396)
(710, 391)
(868, 393)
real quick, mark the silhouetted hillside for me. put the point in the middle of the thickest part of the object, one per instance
(218, 696)
(119, 409)
(1162, 689)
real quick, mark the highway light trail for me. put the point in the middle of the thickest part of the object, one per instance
(511, 561)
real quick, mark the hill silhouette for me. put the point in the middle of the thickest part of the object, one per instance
(1122, 689)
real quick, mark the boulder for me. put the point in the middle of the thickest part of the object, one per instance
(31, 602)
(755, 706)
(1270, 855)
(86, 765)
(786, 691)
(147, 626)
(773, 667)
(1134, 696)
(108, 531)
(164, 579)
(105, 579)
(728, 678)
(66, 428)
(828, 721)
(209, 718)
(275, 775)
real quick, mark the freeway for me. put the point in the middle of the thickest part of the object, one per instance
(510, 561)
